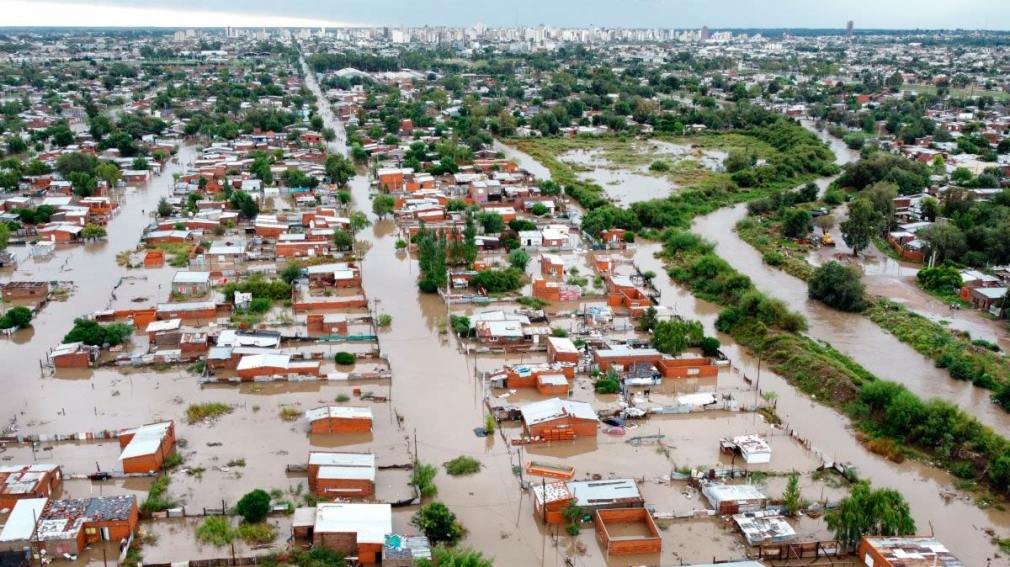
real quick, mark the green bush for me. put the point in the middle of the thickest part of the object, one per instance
(17, 317)
(838, 286)
(254, 506)
(423, 478)
(344, 357)
(498, 281)
(462, 465)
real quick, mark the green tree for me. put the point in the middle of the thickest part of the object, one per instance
(108, 172)
(254, 506)
(18, 317)
(791, 498)
(76, 161)
(519, 259)
(291, 272)
(797, 223)
(342, 239)
(339, 169)
(862, 224)
(838, 286)
(261, 169)
(383, 205)
(84, 184)
(5, 235)
(866, 511)
(358, 221)
(944, 240)
(437, 522)
(676, 335)
(93, 231)
(491, 222)
(164, 208)
(140, 162)
(245, 204)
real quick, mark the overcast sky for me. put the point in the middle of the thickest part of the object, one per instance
(968, 14)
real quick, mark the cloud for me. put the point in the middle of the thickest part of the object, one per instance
(32, 13)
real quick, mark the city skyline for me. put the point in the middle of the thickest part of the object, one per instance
(681, 14)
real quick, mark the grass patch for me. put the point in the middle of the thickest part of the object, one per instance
(258, 534)
(423, 478)
(157, 497)
(462, 465)
(197, 413)
(289, 413)
(215, 530)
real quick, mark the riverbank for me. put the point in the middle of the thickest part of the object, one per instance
(954, 351)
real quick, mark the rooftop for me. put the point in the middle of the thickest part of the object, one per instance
(370, 522)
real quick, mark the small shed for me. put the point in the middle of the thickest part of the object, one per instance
(735, 498)
(339, 419)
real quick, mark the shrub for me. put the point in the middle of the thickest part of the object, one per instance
(423, 477)
(385, 320)
(344, 357)
(838, 286)
(659, 166)
(257, 533)
(16, 317)
(92, 333)
(709, 346)
(254, 506)
(498, 281)
(607, 385)
(462, 465)
(437, 522)
(196, 413)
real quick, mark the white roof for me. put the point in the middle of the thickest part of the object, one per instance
(263, 361)
(563, 344)
(146, 440)
(590, 492)
(347, 473)
(342, 459)
(339, 412)
(21, 522)
(553, 379)
(163, 325)
(554, 408)
(191, 277)
(371, 522)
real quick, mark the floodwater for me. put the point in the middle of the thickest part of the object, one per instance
(936, 506)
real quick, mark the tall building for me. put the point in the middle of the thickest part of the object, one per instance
(706, 33)
(849, 28)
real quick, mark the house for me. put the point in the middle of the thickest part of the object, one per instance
(989, 299)
(549, 502)
(625, 356)
(187, 310)
(339, 419)
(145, 448)
(21, 482)
(627, 531)
(20, 525)
(613, 238)
(764, 527)
(256, 365)
(60, 232)
(552, 266)
(326, 324)
(353, 529)
(74, 355)
(22, 291)
(341, 475)
(339, 274)
(734, 498)
(68, 526)
(565, 419)
(191, 283)
(905, 551)
(603, 494)
(752, 448)
(562, 349)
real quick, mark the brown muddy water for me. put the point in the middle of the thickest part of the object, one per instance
(935, 504)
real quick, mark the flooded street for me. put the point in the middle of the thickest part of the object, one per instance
(956, 520)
